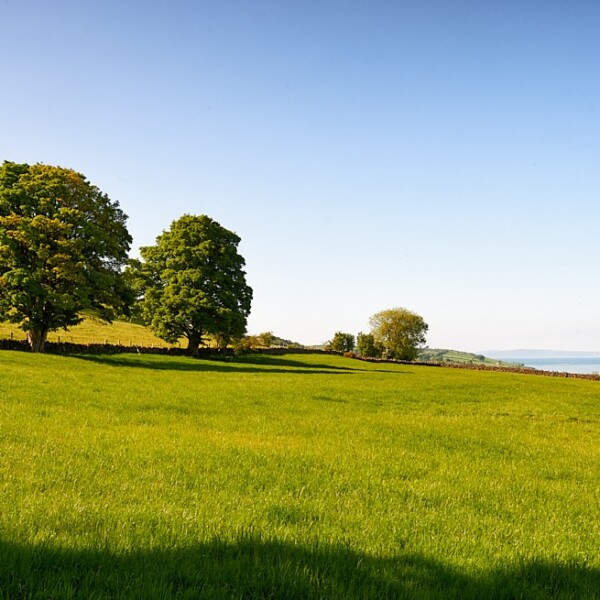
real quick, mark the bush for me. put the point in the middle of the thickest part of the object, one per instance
(341, 342)
(366, 346)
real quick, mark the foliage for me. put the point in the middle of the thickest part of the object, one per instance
(296, 476)
(62, 246)
(285, 343)
(341, 342)
(246, 343)
(192, 283)
(266, 339)
(455, 356)
(366, 346)
(399, 332)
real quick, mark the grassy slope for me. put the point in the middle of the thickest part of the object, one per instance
(95, 332)
(456, 356)
(313, 476)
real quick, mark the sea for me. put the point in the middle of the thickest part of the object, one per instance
(582, 365)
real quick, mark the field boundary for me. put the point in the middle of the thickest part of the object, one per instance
(72, 348)
(494, 368)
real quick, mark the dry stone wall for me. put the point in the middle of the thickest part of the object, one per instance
(67, 348)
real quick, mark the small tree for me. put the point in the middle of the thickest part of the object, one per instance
(366, 346)
(63, 244)
(341, 342)
(192, 283)
(399, 332)
(266, 339)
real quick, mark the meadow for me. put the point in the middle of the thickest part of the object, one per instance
(94, 331)
(295, 476)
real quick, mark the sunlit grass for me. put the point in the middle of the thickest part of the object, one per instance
(93, 331)
(321, 475)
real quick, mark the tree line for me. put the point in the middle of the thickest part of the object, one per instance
(64, 252)
(64, 249)
(395, 333)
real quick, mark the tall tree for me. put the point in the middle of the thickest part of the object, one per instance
(399, 332)
(63, 244)
(192, 283)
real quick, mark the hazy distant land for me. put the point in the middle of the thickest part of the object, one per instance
(537, 353)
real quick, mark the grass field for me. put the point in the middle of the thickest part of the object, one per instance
(312, 476)
(92, 331)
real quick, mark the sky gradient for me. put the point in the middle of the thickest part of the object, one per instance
(440, 156)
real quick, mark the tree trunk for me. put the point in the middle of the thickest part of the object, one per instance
(37, 339)
(194, 341)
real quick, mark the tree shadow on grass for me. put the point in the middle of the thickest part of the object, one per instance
(254, 568)
(247, 364)
(265, 359)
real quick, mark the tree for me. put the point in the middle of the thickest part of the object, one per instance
(399, 331)
(341, 342)
(366, 346)
(63, 244)
(192, 283)
(266, 339)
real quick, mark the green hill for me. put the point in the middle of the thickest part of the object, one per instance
(458, 357)
(92, 331)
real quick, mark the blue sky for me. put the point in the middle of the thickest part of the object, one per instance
(441, 156)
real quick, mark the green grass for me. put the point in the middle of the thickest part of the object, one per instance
(92, 331)
(456, 356)
(136, 476)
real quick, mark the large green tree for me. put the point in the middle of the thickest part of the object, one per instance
(192, 283)
(399, 332)
(63, 244)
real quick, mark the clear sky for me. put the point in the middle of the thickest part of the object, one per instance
(443, 156)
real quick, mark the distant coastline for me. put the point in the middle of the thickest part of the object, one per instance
(552, 360)
(539, 353)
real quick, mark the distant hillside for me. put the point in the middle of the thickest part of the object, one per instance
(453, 356)
(124, 333)
(458, 357)
(283, 343)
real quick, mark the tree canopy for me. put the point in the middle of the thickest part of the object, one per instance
(63, 244)
(192, 283)
(366, 346)
(341, 342)
(399, 332)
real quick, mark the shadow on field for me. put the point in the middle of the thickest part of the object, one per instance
(257, 569)
(249, 364)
